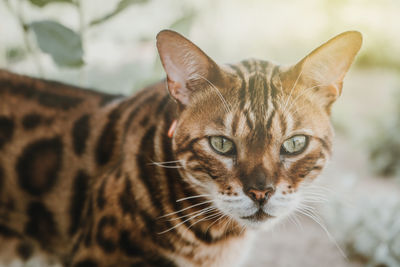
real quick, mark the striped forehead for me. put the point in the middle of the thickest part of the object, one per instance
(257, 95)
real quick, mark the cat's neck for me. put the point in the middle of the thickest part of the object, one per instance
(145, 121)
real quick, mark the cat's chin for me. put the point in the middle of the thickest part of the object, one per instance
(259, 216)
(259, 219)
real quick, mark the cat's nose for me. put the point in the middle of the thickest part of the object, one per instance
(258, 195)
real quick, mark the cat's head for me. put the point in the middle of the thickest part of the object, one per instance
(252, 136)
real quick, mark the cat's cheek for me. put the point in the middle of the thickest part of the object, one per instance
(201, 184)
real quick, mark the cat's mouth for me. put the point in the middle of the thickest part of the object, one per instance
(258, 216)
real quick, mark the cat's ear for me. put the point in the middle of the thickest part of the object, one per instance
(325, 67)
(186, 65)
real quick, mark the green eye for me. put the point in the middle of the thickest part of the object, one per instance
(294, 145)
(222, 145)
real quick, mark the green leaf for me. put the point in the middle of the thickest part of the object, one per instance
(63, 44)
(42, 3)
(122, 5)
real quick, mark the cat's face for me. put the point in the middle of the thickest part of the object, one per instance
(252, 137)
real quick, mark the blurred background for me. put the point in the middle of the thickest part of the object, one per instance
(110, 45)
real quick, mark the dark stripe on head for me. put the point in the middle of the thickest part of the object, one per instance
(283, 123)
(235, 124)
(242, 89)
(247, 65)
(325, 144)
(264, 65)
(269, 123)
(248, 121)
(251, 88)
(274, 90)
(219, 121)
(304, 166)
(187, 147)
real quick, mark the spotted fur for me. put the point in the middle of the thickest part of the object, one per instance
(90, 179)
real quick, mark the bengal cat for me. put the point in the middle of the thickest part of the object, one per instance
(177, 177)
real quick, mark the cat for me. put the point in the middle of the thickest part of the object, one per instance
(183, 173)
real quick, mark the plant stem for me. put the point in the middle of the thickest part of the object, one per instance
(25, 34)
(82, 30)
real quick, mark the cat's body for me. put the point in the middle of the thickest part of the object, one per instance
(81, 138)
(91, 179)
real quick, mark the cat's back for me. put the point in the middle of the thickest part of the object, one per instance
(39, 95)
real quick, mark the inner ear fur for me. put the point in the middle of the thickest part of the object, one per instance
(322, 71)
(187, 66)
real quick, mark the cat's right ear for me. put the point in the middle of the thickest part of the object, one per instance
(186, 65)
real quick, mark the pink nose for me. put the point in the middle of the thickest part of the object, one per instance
(258, 195)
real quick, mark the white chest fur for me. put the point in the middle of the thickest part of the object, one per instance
(226, 253)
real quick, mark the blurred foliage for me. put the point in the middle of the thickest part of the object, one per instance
(69, 47)
(15, 54)
(385, 144)
(380, 55)
(122, 5)
(63, 44)
(42, 3)
(370, 230)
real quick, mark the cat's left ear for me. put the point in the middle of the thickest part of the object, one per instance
(325, 67)
(186, 65)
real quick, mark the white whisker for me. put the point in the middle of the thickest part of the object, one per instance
(179, 224)
(193, 213)
(163, 164)
(224, 102)
(185, 198)
(317, 219)
(192, 206)
(222, 216)
(208, 217)
(291, 90)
